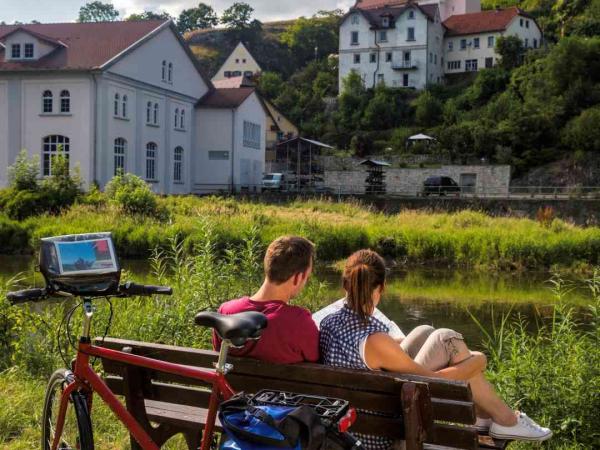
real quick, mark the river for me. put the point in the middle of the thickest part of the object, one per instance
(441, 297)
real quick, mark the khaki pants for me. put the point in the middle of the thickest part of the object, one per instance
(431, 348)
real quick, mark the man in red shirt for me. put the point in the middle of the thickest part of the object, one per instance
(291, 335)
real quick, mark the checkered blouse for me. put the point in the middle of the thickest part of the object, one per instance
(339, 342)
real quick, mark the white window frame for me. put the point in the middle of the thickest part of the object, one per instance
(120, 155)
(65, 102)
(50, 146)
(251, 137)
(164, 71)
(116, 101)
(27, 46)
(383, 36)
(410, 34)
(411, 15)
(170, 73)
(124, 106)
(151, 151)
(476, 42)
(182, 119)
(47, 102)
(15, 51)
(355, 19)
(155, 114)
(356, 58)
(149, 113)
(352, 40)
(178, 164)
(471, 65)
(491, 41)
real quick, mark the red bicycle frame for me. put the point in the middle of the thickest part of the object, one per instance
(89, 381)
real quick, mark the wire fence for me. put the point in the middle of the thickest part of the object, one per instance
(509, 192)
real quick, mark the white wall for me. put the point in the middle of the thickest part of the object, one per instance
(531, 33)
(4, 158)
(213, 133)
(145, 64)
(77, 125)
(40, 48)
(252, 111)
(241, 60)
(435, 46)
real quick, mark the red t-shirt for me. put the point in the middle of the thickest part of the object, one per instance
(291, 335)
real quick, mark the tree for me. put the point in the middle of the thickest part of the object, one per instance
(270, 84)
(97, 11)
(380, 112)
(313, 37)
(149, 15)
(23, 174)
(202, 16)
(237, 16)
(428, 109)
(510, 49)
(582, 132)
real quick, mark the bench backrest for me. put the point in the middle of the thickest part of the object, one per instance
(379, 392)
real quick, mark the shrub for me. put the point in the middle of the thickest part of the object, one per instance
(132, 194)
(23, 204)
(14, 238)
(23, 174)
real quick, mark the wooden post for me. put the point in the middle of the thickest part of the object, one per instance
(416, 409)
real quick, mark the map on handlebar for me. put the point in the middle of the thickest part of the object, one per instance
(80, 264)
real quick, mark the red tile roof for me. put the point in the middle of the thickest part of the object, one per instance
(226, 98)
(372, 4)
(481, 22)
(233, 82)
(86, 45)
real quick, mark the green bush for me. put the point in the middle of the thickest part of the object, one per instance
(14, 238)
(23, 204)
(24, 173)
(132, 194)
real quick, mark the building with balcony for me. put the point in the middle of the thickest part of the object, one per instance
(411, 43)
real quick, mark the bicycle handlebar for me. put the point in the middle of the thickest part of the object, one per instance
(131, 288)
(26, 295)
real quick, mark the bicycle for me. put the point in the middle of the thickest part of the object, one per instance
(70, 391)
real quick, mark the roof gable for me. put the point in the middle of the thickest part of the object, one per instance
(375, 12)
(484, 21)
(85, 46)
(227, 98)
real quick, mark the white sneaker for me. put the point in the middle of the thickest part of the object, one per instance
(483, 425)
(525, 430)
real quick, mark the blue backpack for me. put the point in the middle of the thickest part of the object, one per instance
(269, 427)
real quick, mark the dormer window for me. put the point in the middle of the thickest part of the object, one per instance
(15, 51)
(385, 22)
(28, 51)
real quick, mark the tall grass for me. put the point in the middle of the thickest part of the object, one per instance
(464, 238)
(552, 373)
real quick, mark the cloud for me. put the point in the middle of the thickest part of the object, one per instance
(264, 10)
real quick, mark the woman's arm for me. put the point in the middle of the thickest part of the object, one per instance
(382, 352)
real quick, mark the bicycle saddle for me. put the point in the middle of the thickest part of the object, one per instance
(237, 328)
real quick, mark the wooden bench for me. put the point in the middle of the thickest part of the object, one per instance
(428, 413)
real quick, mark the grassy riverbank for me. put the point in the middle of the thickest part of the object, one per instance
(550, 372)
(465, 238)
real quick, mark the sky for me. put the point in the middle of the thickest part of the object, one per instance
(67, 10)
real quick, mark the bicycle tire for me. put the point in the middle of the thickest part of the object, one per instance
(77, 430)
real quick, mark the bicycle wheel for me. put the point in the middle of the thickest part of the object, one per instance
(77, 428)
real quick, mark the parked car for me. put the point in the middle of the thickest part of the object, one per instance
(440, 186)
(273, 182)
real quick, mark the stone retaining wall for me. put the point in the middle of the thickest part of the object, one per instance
(489, 179)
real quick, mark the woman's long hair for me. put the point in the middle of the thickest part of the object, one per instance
(364, 272)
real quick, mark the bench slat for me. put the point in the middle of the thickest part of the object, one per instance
(461, 437)
(311, 373)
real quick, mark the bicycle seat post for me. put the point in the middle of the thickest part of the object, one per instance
(222, 366)
(88, 313)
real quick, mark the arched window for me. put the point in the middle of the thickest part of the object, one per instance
(148, 112)
(120, 151)
(170, 72)
(124, 106)
(47, 102)
(116, 106)
(177, 164)
(156, 114)
(151, 161)
(176, 117)
(182, 120)
(164, 70)
(51, 146)
(65, 101)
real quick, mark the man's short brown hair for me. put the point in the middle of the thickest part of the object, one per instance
(287, 256)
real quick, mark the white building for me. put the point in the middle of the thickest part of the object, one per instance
(112, 95)
(405, 43)
(470, 40)
(239, 63)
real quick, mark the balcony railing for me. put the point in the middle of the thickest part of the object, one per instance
(404, 65)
